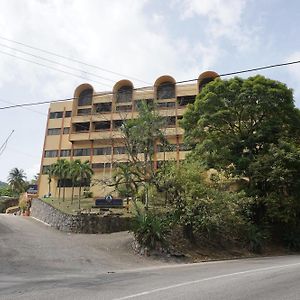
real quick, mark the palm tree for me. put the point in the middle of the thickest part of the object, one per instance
(85, 174)
(60, 172)
(16, 180)
(75, 167)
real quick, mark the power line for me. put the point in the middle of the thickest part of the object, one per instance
(57, 63)
(150, 87)
(3, 146)
(49, 67)
(72, 59)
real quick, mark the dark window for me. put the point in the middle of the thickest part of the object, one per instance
(138, 103)
(66, 130)
(102, 151)
(45, 169)
(103, 107)
(68, 114)
(166, 90)
(56, 115)
(101, 165)
(85, 97)
(82, 127)
(119, 150)
(184, 147)
(82, 152)
(124, 94)
(165, 104)
(167, 148)
(103, 125)
(65, 153)
(170, 121)
(124, 108)
(54, 131)
(185, 100)
(68, 183)
(51, 153)
(204, 82)
(117, 123)
(84, 112)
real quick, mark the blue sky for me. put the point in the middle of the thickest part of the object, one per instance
(138, 38)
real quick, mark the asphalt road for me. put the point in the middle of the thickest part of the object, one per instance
(38, 262)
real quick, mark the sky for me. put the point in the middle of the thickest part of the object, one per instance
(138, 40)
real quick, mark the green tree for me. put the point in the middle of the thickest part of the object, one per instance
(141, 135)
(75, 169)
(17, 180)
(85, 174)
(61, 170)
(51, 173)
(248, 128)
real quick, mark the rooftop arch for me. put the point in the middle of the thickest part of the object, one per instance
(165, 87)
(84, 94)
(206, 77)
(123, 91)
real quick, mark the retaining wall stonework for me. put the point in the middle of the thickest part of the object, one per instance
(82, 223)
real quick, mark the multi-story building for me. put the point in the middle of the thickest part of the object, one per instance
(88, 127)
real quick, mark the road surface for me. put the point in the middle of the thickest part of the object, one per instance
(38, 262)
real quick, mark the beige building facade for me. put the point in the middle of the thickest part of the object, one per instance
(88, 127)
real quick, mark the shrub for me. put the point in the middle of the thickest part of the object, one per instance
(150, 230)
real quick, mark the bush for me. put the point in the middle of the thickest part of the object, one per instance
(150, 230)
(256, 238)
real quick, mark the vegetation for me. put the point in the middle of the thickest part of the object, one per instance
(76, 172)
(240, 183)
(17, 181)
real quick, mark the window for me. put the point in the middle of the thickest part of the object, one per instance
(138, 103)
(184, 147)
(185, 100)
(117, 123)
(124, 108)
(85, 97)
(166, 90)
(165, 104)
(51, 153)
(65, 153)
(68, 114)
(102, 125)
(68, 183)
(119, 150)
(167, 148)
(103, 107)
(45, 169)
(56, 115)
(170, 121)
(82, 127)
(106, 165)
(54, 131)
(204, 82)
(84, 112)
(102, 151)
(82, 152)
(66, 130)
(124, 94)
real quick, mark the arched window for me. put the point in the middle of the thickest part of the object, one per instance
(166, 90)
(85, 97)
(205, 81)
(124, 94)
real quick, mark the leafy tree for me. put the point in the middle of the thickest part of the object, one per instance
(233, 121)
(141, 135)
(17, 180)
(51, 173)
(61, 169)
(75, 169)
(85, 173)
(250, 128)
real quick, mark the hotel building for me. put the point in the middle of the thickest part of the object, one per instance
(88, 127)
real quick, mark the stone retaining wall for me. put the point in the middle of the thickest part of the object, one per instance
(6, 202)
(82, 223)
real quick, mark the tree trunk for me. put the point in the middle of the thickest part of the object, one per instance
(79, 196)
(59, 188)
(72, 196)
(64, 192)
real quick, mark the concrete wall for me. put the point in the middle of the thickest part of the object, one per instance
(6, 202)
(83, 223)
